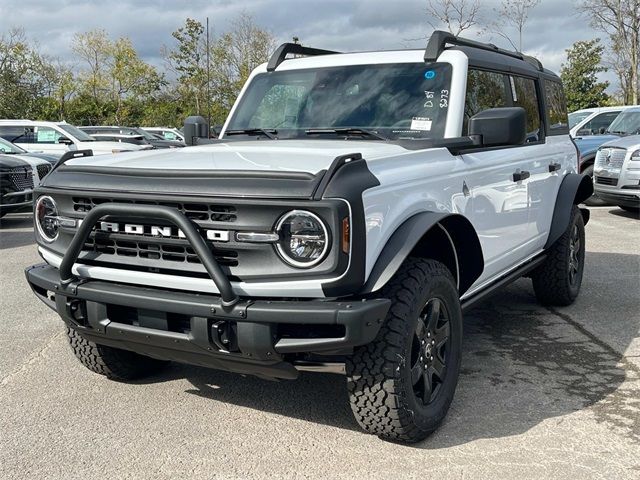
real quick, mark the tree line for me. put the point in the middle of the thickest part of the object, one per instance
(108, 83)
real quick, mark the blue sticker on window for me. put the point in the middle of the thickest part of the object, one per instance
(429, 74)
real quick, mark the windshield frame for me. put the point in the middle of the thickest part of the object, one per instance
(391, 132)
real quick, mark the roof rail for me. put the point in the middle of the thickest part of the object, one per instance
(439, 40)
(285, 49)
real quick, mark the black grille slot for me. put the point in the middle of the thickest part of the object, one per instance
(21, 178)
(169, 250)
(195, 211)
(43, 169)
(607, 181)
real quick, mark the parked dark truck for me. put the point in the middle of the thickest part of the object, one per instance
(354, 206)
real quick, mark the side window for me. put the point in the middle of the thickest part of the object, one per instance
(599, 123)
(14, 134)
(556, 108)
(46, 135)
(169, 136)
(525, 96)
(484, 90)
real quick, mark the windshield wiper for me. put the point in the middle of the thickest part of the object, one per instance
(267, 132)
(356, 132)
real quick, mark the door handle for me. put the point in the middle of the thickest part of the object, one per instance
(518, 176)
(554, 167)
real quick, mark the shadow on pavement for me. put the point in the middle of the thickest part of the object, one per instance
(624, 213)
(522, 364)
(12, 233)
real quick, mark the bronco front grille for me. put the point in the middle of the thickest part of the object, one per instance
(194, 211)
(607, 181)
(151, 248)
(21, 178)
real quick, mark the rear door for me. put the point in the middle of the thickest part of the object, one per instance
(500, 177)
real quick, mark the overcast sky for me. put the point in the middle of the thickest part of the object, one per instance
(345, 25)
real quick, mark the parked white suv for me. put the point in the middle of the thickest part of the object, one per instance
(355, 205)
(616, 173)
(56, 138)
(593, 121)
(166, 133)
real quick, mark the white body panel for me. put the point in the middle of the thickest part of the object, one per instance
(512, 218)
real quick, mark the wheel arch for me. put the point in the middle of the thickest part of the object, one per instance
(448, 238)
(574, 189)
(586, 161)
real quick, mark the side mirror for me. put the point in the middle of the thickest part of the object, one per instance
(500, 126)
(65, 140)
(601, 130)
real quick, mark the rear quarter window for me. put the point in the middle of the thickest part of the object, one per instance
(557, 117)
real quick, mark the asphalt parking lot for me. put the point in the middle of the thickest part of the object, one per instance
(544, 393)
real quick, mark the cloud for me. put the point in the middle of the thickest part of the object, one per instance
(342, 25)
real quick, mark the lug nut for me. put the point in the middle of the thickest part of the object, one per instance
(433, 342)
(431, 358)
(428, 334)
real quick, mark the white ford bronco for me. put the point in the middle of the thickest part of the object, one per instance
(354, 206)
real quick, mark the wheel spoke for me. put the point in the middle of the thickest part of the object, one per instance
(438, 367)
(441, 335)
(416, 372)
(428, 387)
(433, 314)
(421, 329)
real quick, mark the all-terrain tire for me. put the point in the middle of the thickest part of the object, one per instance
(113, 363)
(380, 381)
(557, 281)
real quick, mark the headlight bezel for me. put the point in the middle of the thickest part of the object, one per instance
(38, 223)
(281, 250)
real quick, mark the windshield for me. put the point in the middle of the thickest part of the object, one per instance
(576, 117)
(145, 134)
(76, 132)
(8, 147)
(394, 101)
(627, 123)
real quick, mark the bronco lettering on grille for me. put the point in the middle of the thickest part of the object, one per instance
(159, 231)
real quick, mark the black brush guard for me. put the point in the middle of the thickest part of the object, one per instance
(84, 305)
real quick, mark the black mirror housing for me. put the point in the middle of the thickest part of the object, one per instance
(65, 140)
(500, 126)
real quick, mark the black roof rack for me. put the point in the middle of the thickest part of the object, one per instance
(439, 40)
(285, 49)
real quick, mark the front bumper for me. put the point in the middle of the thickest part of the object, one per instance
(260, 337)
(16, 202)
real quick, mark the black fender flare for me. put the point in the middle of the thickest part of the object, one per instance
(574, 189)
(460, 233)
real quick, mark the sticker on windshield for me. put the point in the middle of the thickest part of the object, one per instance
(421, 123)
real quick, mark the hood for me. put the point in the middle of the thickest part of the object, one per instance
(108, 147)
(160, 143)
(8, 162)
(630, 141)
(590, 143)
(310, 156)
(52, 159)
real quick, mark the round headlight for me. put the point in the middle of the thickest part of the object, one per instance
(47, 218)
(304, 240)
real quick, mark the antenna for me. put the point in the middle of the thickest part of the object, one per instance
(208, 85)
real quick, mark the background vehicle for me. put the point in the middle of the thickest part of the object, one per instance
(592, 121)
(617, 172)
(353, 207)
(166, 133)
(16, 185)
(626, 123)
(122, 138)
(137, 131)
(55, 138)
(9, 148)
